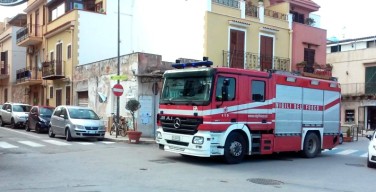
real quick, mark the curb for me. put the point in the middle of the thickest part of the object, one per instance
(125, 140)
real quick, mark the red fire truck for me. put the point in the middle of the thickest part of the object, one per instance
(229, 112)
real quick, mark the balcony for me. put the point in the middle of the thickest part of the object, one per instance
(53, 70)
(252, 11)
(4, 72)
(228, 3)
(276, 15)
(256, 61)
(358, 89)
(27, 76)
(29, 35)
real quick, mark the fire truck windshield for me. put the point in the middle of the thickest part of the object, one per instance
(186, 90)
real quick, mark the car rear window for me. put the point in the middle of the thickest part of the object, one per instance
(21, 108)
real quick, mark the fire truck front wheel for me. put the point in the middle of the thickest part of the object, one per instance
(235, 148)
(311, 145)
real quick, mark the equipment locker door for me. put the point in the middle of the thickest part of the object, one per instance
(226, 105)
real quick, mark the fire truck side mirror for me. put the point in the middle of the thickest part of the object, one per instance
(225, 85)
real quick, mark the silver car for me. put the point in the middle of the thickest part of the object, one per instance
(76, 122)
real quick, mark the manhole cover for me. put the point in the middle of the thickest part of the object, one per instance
(354, 164)
(262, 181)
(162, 161)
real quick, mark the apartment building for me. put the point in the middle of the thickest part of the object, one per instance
(354, 64)
(12, 58)
(66, 38)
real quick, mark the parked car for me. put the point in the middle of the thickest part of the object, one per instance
(76, 122)
(39, 118)
(371, 160)
(14, 114)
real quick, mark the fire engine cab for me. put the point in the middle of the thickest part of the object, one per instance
(206, 111)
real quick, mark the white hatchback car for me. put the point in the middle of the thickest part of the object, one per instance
(371, 161)
(76, 122)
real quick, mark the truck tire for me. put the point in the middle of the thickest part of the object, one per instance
(311, 146)
(235, 148)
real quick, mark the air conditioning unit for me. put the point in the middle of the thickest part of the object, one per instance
(30, 50)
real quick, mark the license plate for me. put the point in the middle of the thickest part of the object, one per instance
(176, 138)
(92, 132)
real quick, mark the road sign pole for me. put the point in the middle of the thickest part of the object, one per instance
(118, 71)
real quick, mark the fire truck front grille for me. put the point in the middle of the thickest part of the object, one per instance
(177, 143)
(182, 125)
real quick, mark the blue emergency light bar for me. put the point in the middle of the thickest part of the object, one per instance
(205, 63)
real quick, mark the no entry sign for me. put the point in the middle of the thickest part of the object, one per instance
(118, 90)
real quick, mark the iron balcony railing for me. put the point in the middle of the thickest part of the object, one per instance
(26, 74)
(254, 60)
(228, 3)
(53, 69)
(29, 31)
(276, 14)
(358, 89)
(251, 10)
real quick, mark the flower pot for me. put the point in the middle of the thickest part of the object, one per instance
(134, 136)
(347, 139)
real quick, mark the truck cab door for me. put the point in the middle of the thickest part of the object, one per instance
(225, 101)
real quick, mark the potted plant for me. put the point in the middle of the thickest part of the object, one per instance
(348, 137)
(328, 67)
(300, 66)
(134, 136)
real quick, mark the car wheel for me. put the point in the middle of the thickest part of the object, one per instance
(340, 139)
(68, 136)
(12, 124)
(1, 122)
(27, 127)
(50, 132)
(235, 148)
(311, 145)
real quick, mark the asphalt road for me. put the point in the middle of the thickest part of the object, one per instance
(35, 162)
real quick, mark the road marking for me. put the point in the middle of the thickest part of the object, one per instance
(6, 145)
(56, 142)
(20, 132)
(107, 142)
(347, 152)
(364, 155)
(85, 143)
(30, 143)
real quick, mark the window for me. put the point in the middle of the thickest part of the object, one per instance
(231, 89)
(349, 116)
(335, 48)
(69, 52)
(258, 91)
(51, 92)
(297, 17)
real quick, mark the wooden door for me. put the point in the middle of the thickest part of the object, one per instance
(236, 59)
(266, 53)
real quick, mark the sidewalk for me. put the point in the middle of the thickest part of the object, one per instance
(119, 138)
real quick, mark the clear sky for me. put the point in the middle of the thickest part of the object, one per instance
(341, 19)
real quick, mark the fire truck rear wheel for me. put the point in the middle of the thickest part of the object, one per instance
(311, 145)
(235, 148)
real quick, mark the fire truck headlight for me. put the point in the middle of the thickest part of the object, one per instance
(159, 135)
(198, 140)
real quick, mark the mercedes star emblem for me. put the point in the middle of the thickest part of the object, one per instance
(177, 123)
